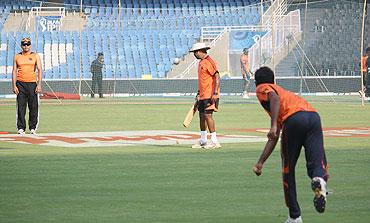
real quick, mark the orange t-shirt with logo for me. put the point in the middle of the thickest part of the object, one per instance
(26, 64)
(290, 103)
(206, 78)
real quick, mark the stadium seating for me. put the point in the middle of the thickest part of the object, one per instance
(159, 3)
(143, 38)
(332, 40)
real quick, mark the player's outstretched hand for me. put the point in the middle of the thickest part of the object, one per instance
(257, 169)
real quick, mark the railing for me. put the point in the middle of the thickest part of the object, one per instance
(274, 13)
(209, 33)
(23, 24)
(213, 34)
(275, 40)
(45, 11)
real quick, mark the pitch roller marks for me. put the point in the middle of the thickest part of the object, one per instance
(124, 138)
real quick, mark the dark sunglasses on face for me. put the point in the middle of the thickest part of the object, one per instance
(26, 44)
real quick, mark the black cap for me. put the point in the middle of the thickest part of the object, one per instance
(100, 54)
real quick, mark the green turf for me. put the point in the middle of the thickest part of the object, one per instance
(172, 183)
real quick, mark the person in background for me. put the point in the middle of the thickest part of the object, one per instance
(365, 66)
(208, 96)
(26, 85)
(246, 71)
(301, 126)
(97, 75)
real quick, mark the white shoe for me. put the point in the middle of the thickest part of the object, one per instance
(212, 145)
(361, 93)
(199, 145)
(318, 185)
(21, 132)
(294, 220)
(33, 131)
(245, 96)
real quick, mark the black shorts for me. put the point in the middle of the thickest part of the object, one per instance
(207, 105)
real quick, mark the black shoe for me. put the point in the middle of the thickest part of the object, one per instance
(319, 188)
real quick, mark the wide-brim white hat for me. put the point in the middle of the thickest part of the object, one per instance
(199, 46)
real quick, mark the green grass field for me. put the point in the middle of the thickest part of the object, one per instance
(173, 183)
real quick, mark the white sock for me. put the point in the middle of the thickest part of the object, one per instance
(214, 137)
(203, 136)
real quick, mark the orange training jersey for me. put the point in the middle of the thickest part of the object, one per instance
(289, 102)
(26, 64)
(363, 63)
(244, 62)
(206, 78)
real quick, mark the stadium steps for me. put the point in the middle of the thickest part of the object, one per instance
(73, 22)
(288, 66)
(216, 52)
(184, 63)
(14, 22)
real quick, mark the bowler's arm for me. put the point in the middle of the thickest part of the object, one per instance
(272, 135)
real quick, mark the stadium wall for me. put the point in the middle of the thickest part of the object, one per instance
(343, 84)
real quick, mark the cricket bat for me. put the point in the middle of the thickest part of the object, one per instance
(189, 116)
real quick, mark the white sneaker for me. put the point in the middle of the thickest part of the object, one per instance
(21, 132)
(294, 220)
(33, 131)
(361, 93)
(212, 145)
(245, 95)
(199, 145)
(318, 185)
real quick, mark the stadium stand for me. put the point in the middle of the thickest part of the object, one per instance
(332, 41)
(142, 38)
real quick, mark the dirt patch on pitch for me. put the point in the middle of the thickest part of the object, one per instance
(124, 138)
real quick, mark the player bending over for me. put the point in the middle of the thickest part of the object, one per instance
(301, 126)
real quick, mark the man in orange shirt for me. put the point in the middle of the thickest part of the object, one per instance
(246, 71)
(208, 96)
(365, 75)
(26, 85)
(301, 126)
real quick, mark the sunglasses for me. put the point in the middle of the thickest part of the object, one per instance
(26, 44)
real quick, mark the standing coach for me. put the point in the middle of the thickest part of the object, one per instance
(26, 85)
